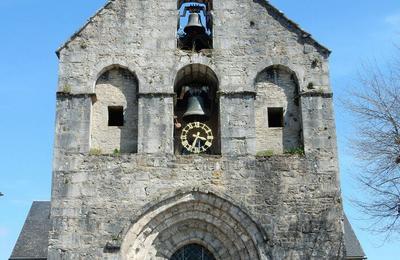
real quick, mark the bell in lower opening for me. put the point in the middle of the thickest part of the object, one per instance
(194, 25)
(195, 109)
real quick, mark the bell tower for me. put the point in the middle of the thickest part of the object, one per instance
(194, 130)
(195, 25)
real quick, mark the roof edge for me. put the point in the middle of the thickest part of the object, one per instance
(305, 34)
(76, 34)
(38, 211)
(350, 237)
(355, 257)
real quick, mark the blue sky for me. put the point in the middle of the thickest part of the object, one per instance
(30, 31)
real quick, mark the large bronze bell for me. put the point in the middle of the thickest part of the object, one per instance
(194, 24)
(195, 109)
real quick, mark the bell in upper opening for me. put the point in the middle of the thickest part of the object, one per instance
(194, 25)
(195, 109)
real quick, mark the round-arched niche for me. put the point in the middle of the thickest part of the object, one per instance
(114, 120)
(277, 110)
(196, 87)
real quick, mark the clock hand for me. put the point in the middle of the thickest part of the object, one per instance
(199, 137)
(196, 137)
(202, 138)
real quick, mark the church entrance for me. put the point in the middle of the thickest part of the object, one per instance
(192, 252)
(194, 226)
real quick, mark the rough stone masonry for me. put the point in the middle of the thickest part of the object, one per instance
(125, 192)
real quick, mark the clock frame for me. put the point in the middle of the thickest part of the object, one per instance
(196, 137)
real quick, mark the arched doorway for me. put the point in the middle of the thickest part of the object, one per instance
(197, 223)
(192, 252)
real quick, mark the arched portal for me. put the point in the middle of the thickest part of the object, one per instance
(193, 252)
(196, 87)
(194, 218)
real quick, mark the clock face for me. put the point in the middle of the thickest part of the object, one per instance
(196, 137)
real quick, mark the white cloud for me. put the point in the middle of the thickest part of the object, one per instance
(393, 19)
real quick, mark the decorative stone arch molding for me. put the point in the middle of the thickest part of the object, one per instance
(194, 218)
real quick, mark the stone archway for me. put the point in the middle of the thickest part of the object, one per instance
(192, 251)
(194, 218)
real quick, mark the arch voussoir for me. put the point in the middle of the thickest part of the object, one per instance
(193, 218)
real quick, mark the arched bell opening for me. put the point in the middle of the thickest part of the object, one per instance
(196, 111)
(194, 29)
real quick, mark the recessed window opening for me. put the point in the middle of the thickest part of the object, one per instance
(115, 116)
(275, 117)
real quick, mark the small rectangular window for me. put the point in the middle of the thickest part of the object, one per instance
(275, 117)
(116, 116)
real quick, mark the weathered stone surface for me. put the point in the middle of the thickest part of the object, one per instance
(73, 123)
(123, 35)
(294, 203)
(148, 202)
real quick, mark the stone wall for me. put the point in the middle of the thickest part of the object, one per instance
(249, 36)
(283, 207)
(72, 133)
(292, 203)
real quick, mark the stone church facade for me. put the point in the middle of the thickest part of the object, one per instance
(129, 181)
